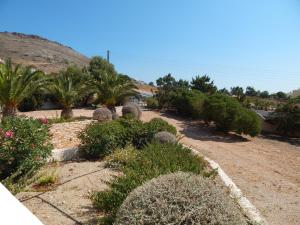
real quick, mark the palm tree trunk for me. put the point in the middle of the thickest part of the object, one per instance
(66, 113)
(9, 110)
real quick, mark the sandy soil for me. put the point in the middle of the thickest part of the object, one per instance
(69, 203)
(265, 168)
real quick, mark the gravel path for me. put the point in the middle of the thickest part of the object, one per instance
(69, 203)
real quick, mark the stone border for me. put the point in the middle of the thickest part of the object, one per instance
(248, 208)
(64, 154)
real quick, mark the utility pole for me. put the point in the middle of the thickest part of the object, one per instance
(107, 55)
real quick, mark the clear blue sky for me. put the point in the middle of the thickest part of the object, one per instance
(236, 42)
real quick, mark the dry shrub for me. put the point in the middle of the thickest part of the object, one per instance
(165, 137)
(179, 198)
(102, 114)
(133, 110)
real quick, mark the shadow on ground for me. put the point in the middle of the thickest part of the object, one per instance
(274, 137)
(199, 130)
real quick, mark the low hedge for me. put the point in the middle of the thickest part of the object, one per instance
(153, 160)
(24, 147)
(100, 139)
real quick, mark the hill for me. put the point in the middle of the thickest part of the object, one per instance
(38, 52)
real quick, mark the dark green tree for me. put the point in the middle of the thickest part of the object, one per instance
(238, 92)
(203, 84)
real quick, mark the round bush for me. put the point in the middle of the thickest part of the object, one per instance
(157, 124)
(179, 198)
(100, 139)
(152, 103)
(165, 137)
(102, 114)
(24, 146)
(131, 110)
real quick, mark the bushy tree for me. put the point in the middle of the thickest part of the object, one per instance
(238, 92)
(16, 84)
(203, 84)
(250, 91)
(287, 117)
(224, 91)
(111, 87)
(264, 94)
(69, 86)
(228, 115)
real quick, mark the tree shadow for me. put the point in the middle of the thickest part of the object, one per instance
(275, 137)
(199, 130)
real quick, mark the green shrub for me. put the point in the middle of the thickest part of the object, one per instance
(24, 147)
(189, 103)
(154, 160)
(157, 124)
(152, 103)
(248, 123)
(179, 198)
(100, 139)
(121, 157)
(228, 115)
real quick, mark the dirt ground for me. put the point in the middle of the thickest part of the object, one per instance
(69, 203)
(265, 168)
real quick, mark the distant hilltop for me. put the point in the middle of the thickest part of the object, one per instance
(39, 52)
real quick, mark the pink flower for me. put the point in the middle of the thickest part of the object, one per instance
(43, 120)
(9, 134)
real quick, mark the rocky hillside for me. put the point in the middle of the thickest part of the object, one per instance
(39, 52)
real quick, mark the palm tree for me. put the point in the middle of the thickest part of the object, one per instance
(112, 89)
(17, 83)
(68, 87)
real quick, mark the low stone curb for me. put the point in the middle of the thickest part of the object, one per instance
(64, 154)
(248, 208)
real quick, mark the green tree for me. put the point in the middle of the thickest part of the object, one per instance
(68, 87)
(99, 66)
(250, 91)
(203, 84)
(17, 83)
(112, 89)
(264, 94)
(238, 92)
(224, 91)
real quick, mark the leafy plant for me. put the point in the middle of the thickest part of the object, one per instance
(24, 147)
(16, 84)
(229, 115)
(152, 103)
(68, 87)
(100, 139)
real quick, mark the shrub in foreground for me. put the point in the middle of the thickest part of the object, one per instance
(153, 160)
(24, 147)
(179, 198)
(165, 137)
(100, 139)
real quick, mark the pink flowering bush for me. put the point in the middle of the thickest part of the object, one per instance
(24, 147)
